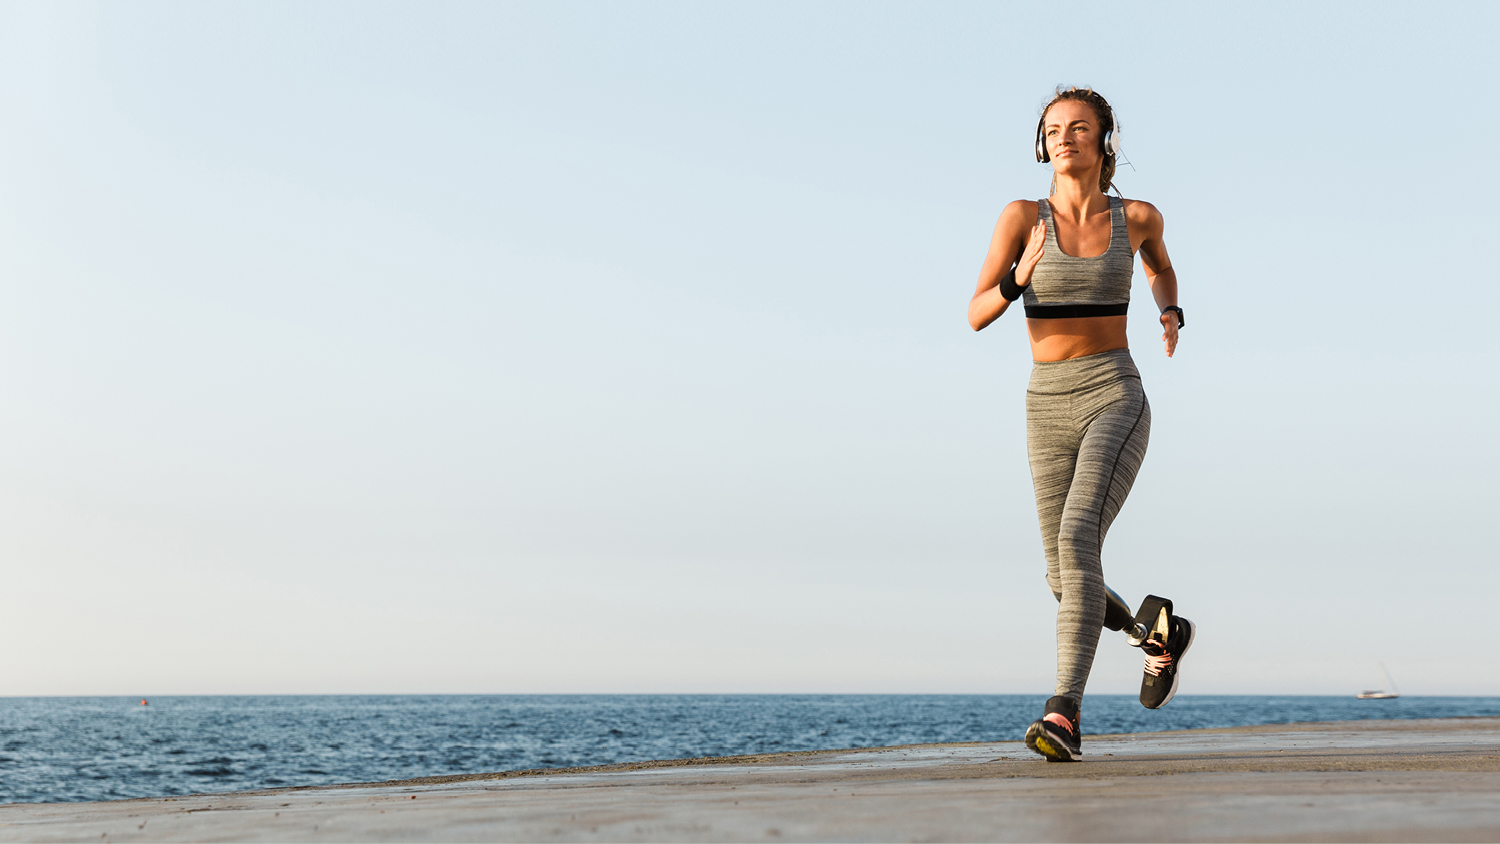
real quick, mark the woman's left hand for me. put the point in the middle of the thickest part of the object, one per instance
(1169, 331)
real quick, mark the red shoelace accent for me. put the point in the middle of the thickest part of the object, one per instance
(1060, 720)
(1154, 664)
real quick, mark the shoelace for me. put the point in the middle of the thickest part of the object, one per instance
(1155, 663)
(1060, 720)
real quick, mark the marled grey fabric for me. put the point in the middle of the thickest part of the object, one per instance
(1061, 279)
(1087, 424)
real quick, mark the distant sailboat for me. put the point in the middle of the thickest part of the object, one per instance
(1381, 693)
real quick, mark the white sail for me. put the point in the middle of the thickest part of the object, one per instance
(1381, 693)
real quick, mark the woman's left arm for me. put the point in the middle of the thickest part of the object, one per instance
(1147, 224)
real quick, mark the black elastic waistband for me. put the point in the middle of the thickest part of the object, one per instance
(1072, 311)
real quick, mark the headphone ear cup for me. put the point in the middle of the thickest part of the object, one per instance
(1042, 156)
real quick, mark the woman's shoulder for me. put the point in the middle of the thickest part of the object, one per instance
(1023, 211)
(1141, 211)
(1142, 215)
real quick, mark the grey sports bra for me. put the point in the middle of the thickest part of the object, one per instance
(1064, 286)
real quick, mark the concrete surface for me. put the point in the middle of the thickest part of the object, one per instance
(1435, 780)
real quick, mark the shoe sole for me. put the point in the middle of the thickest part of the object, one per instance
(1177, 674)
(1038, 741)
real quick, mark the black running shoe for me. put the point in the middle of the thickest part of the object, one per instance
(1056, 736)
(1164, 662)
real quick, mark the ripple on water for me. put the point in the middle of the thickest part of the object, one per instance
(65, 749)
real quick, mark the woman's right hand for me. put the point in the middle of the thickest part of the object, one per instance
(1033, 253)
(1010, 247)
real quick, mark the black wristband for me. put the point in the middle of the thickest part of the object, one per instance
(1181, 320)
(1008, 287)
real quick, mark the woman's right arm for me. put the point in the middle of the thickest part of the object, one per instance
(1017, 243)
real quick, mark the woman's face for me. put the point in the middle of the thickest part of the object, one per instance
(1071, 132)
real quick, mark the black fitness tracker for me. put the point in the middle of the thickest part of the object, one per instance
(1181, 321)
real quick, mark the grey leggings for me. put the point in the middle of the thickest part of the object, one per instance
(1087, 423)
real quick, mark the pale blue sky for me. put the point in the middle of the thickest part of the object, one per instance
(611, 348)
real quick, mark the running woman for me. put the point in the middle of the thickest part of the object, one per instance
(1070, 257)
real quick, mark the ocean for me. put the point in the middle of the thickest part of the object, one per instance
(56, 749)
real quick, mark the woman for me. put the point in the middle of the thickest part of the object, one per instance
(1070, 257)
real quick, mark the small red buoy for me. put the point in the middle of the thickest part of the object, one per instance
(144, 703)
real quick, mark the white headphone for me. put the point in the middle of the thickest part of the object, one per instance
(1111, 138)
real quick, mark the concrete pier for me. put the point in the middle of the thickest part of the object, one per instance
(1436, 780)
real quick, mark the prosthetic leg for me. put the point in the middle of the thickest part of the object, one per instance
(1154, 616)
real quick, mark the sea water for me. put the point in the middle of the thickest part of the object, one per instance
(105, 748)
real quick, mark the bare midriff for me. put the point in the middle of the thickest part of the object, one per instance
(1065, 339)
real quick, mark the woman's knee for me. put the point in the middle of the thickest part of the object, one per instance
(1078, 547)
(1054, 582)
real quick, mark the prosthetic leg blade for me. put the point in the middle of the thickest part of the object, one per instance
(1154, 616)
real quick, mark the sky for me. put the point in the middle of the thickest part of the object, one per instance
(512, 348)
